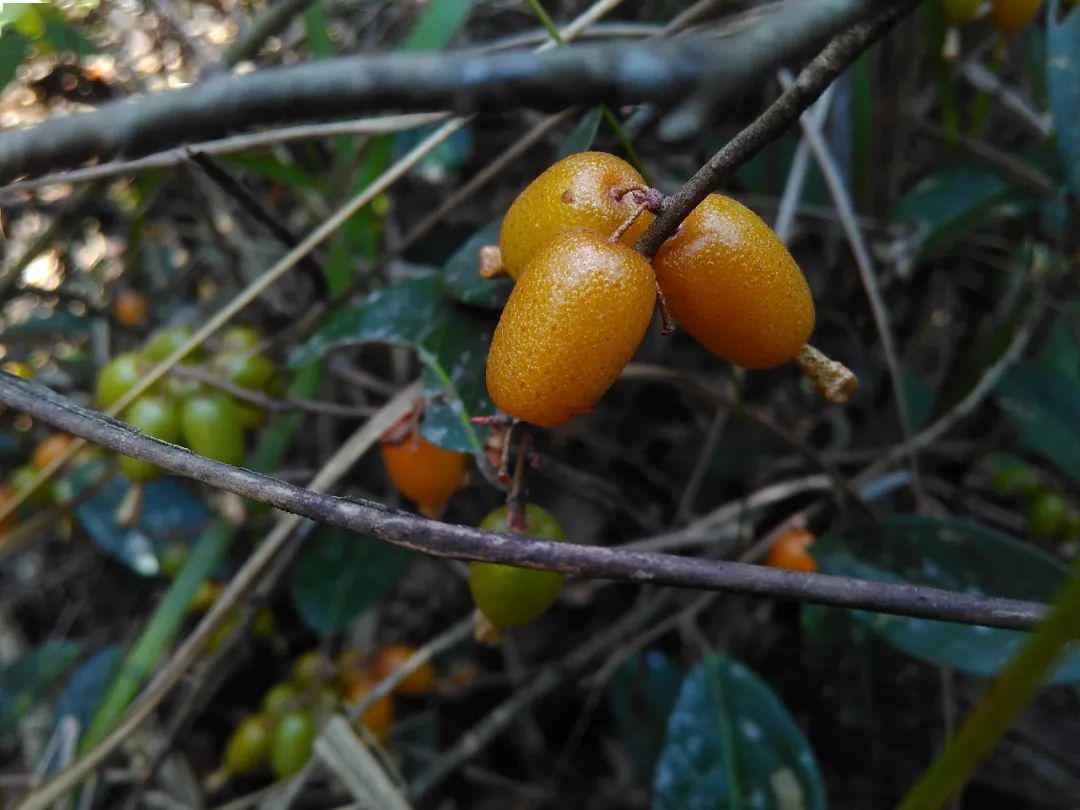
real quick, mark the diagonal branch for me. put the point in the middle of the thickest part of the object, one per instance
(467, 543)
(659, 71)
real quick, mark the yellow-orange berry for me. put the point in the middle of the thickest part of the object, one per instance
(1011, 16)
(131, 308)
(573, 321)
(586, 190)
(391, 658)
(379, 718)
(792, 551)
(731, 283)
(422, 471)
(50, 449)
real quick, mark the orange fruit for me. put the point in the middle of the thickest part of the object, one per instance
(379, 718)
(586, 190)
(791, 551)
(131, 308)
(50, 449)
(731, 283)
(424, 472)
(573, 321)
(1011, 16)
(391, 658)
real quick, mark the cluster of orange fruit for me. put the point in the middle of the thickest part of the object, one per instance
(583, 297)
(282, 733)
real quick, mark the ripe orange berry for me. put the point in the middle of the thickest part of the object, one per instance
(791, 551)
(731, 283)
(391, 658)
(1011, 16)
(586, 190)
(379, 718)
(573, 321)
(424, 472)
(50, 449)
(131, 308)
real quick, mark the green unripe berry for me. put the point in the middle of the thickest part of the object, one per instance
(155, 416)
(211, 428)
(279, 698)
(23, 478)
(249, 746)
(121, 374)
(311, 668)
(1016, 480)
(240, 338)
(509, 596)
(253, 372)
(173, 559)
(1047, 514)
(163, 343)
(292, 742)
(959, 12)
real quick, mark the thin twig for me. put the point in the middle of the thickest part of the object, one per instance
(268, 23)
(467, 543)
(809, 85)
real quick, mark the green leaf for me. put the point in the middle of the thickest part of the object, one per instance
(1044, 406)
(26, 680)
(450, 341)
(1061, 354)
(461, 280)
(65, 37)
(642, 695)
(732, 744)
(1063, 84)
(317, 28)
(340, 575)
(170, 514)
(958, 555)
(160, 631)
(438, 23)
(944, 206)
(59, 323)
(581, 138)
(274, 169)
(14, 48)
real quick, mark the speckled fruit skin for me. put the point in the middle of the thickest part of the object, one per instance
(1012, 16)
(731, 283)
(424, 472)
(155, 416)
(579, 191)
(509, 596)
(573, 321)
(791, 551)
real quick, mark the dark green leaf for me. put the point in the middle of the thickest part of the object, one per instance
(64, 37)
(943, 206)
(1044, 406)
(27, 680)
(59, 323)
(642, 695)
(732, 744)
(450, 341)
(13, 52)
(170, 514)
(957, 555)
(461, 280)
(920, 400)
(339, 575)
(1063, 84)
(582, 137)
(86, 687)
(317, 28)
(1061, 354)
(438, 23)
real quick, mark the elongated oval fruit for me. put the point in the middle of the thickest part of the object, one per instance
(248, 747)
(573, 321)
(510, 596)
(292, 742)
(730, 282)
(212, 428)
(585, 190)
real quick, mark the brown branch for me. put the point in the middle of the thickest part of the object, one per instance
(777, 119)
(467, 543)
